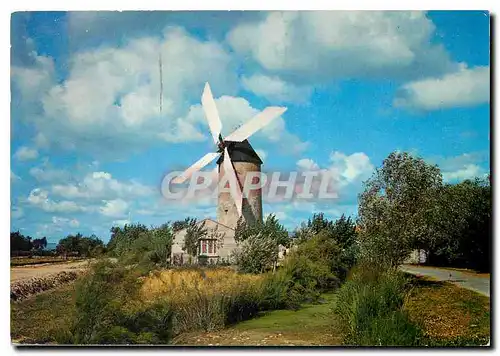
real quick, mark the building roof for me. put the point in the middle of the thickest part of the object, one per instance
(240, 152)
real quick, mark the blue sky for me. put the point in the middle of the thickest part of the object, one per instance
(89, 146)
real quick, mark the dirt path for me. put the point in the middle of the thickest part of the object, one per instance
(478, 284)
(26, 272)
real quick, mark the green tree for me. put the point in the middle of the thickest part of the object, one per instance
(398, 208)
(194, 232)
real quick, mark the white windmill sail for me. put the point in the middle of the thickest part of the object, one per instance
(242, 133)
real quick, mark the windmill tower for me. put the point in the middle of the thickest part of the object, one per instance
(245, 161)
(236, 159)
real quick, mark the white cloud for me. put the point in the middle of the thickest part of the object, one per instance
(101, 185)
(40, 198)
(275, 89)
(321, 45)
(24, 153)
(44, 174)
(356, 166)
(120, 222)
(466, 87)
(65, 222)
(114, 208)
(121, 90)
(307, 164)
(469, 171)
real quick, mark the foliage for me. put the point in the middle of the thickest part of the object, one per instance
(270, 228)
(398, 208)
(19, 242)
(369, 309)
(40, 244)
(258, 244)
(109, 311)
(123, 237)
(342, 232)
(256, 254)
(194, 231)
(151, 247)
(465, 215)
(84, 246)
(182, 224)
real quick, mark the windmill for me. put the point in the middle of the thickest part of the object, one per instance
(236, 158)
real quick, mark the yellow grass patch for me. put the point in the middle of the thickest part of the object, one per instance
(446, 311)
(180, 284)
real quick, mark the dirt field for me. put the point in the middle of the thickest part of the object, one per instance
(26, 272)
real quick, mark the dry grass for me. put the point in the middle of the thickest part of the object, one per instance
(179, 285)
(446, 311)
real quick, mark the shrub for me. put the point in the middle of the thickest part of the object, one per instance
(108, 310)
(369, 310)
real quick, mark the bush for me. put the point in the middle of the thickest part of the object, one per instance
(369, 310)
(108, 310)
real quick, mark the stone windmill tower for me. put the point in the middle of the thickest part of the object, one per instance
(236, 159)
(245, 161)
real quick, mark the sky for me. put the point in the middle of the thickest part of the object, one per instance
(90, 146)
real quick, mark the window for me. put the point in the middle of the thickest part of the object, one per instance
(210, 246)
(204, 245)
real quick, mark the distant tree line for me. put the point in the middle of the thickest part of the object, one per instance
(21, 243)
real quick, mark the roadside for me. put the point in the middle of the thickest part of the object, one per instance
(468, 280)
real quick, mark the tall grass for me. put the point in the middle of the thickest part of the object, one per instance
(369, 309)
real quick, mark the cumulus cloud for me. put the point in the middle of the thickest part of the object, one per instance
(46, 174)
(275, 89)
(101, 185)
(40, 198)
(321, 45)
(109, 102)
(65, 222)
(466, 87)
(24, 153)
(461, 167)
(115, 208)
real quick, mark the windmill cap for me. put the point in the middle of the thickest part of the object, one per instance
(240, 152)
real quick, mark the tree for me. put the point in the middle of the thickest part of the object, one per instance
(19, 242)
(80, 244)
(398, 208)
(182, 224)
(259, 244)
(122, 238)
(270, 228)
(194, 232)
(40, 244)
(465, 215)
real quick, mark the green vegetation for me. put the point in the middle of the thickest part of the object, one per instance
(140, 299)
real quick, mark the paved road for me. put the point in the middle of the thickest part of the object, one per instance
(465, 280)
(26, 272)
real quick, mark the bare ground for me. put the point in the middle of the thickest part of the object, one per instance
(27, 272)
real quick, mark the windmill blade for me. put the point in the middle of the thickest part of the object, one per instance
(234, 185)
(256, 123)
(202, 162)
(211, 113)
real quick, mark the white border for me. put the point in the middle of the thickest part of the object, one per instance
(32, 5)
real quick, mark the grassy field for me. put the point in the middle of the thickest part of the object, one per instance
(449, 315)
(39, 319)
(311, 325)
